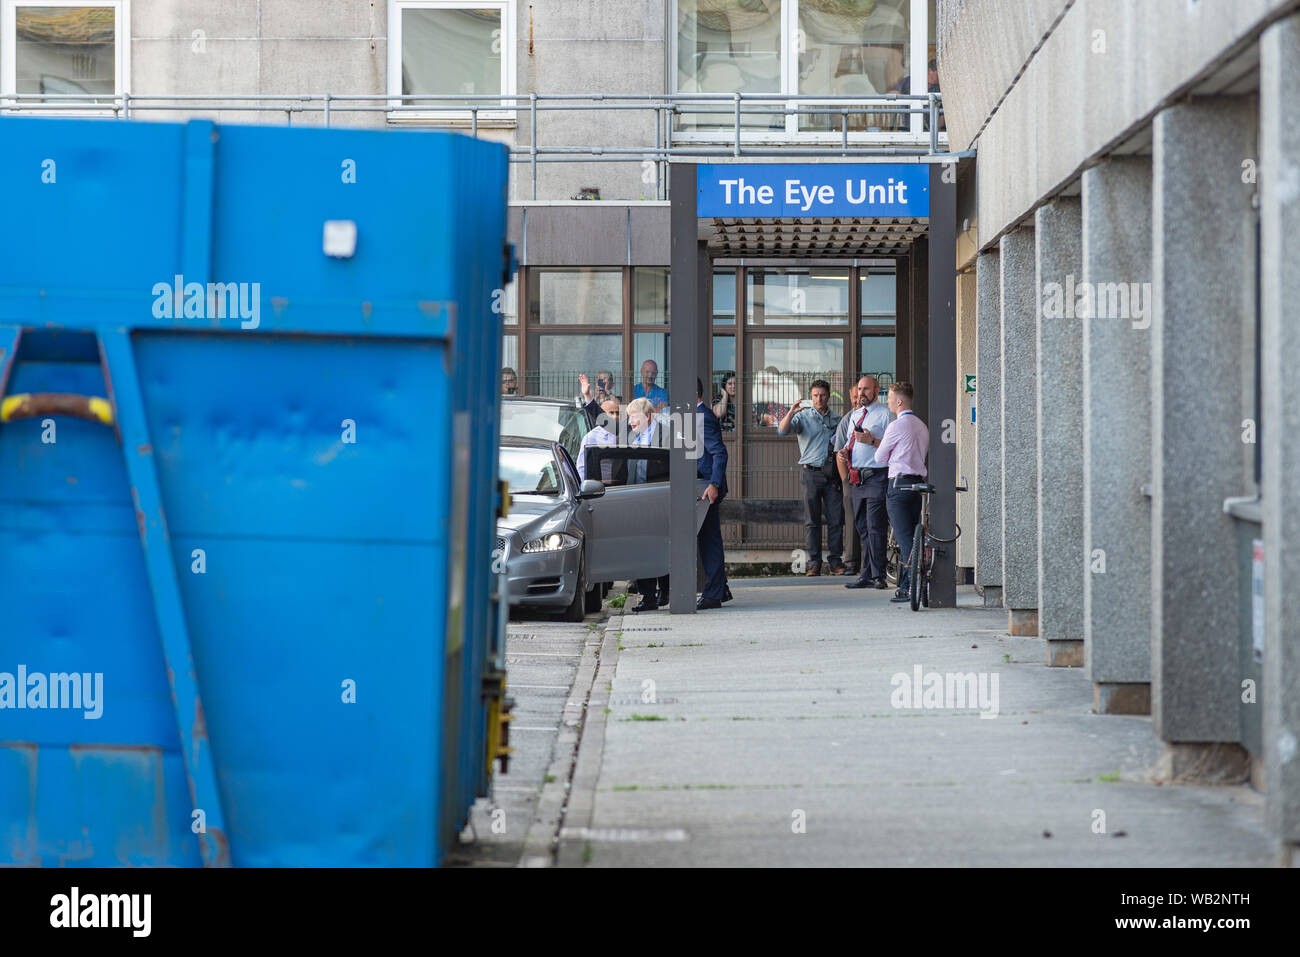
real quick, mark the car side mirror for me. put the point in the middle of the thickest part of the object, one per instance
(591, 489)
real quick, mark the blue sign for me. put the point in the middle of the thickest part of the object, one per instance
(813, 189)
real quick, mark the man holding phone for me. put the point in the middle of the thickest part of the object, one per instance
(869, 481)
(822, 492)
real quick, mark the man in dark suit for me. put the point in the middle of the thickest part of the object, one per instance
(712, 465)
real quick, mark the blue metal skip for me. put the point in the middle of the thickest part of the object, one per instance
(271, 543)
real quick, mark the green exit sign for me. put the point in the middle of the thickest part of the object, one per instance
(970, 383)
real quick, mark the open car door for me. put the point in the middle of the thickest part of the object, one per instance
(627, 527)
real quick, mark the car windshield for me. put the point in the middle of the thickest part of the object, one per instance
(530, 471)
(546, 423)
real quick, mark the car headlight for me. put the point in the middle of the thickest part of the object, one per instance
(552, 543)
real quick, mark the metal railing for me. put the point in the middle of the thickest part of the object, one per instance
(687, 125)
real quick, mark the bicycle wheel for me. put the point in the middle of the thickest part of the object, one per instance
(925, 577)
(914, 571)
(893, 560)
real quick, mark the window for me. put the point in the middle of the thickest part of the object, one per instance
(561, 357)
(576, 297)
(878, 359)
(798, 297)
(528, 471)
(724, 296)
(860, 48)
(451, 47)
(58, 47)
(724, 381)
(510, 365)
(650, 296)
(877, 291)
(650, 347)
(508, 303)
(853, 50)
(784, 370)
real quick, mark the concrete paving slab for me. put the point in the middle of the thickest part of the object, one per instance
(782, 730)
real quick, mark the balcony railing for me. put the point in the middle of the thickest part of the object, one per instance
(733, 126)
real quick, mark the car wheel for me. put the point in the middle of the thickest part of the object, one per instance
(577, 608)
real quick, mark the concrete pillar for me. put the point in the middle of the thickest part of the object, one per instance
(988, 422)
(1116, 436)
(1019, 432)
(1279, 215)
(1202, 215)
(967, 450)
(1058, 242)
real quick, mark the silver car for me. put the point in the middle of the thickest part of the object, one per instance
(563, 537)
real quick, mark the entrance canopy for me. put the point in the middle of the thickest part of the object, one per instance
(824, 210)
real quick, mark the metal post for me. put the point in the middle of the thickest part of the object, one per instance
(942, 387)
(737, 146)
(532, 145)
(932, 103)
(659, 166)
(327, 110)
(473, 120)
(683, 358)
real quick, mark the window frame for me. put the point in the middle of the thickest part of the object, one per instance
(9, 53)
(457, 117)
(918, 47)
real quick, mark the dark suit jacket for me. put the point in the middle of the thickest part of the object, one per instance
(712, 463)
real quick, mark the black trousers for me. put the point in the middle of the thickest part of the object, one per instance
(821, 496)
(653, 588)
(904, 512)
(712, 555)
(870, 516)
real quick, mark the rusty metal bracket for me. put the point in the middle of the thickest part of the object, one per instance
(33, 405)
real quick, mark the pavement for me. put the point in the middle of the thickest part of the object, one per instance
(518, 823)
(779, 730)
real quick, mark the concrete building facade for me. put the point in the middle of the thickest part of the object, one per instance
(1146, 151)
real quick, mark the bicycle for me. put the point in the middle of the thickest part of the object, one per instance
(893, 560)
(925, 545)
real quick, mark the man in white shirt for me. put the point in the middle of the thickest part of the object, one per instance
(857, 455)
(604, 433)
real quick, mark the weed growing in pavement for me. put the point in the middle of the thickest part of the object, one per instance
(617, 601)
(1112, 777)
(646, 717)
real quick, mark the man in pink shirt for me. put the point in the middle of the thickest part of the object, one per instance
(904, 447)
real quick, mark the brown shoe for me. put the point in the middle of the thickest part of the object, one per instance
(814, 570)
(839, 570)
